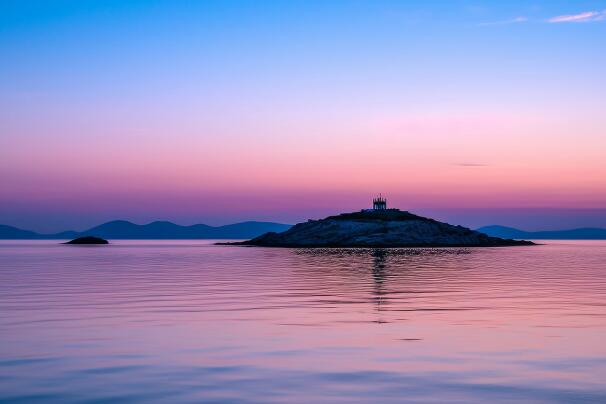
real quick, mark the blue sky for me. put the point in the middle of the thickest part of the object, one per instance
(445, 106)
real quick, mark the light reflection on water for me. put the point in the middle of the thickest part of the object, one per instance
(189, 321)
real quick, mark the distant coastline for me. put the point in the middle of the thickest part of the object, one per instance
(586, 233)
(121, 229)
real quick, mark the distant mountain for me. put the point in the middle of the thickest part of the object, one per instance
(122, 229)
(587, 233)
(13, 233)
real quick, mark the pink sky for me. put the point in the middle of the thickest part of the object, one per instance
(185, 119)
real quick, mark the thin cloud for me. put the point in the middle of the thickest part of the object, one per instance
(586, 16)
(516, 20)
(471, 165)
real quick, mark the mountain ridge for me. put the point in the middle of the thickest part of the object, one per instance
(250, 229)
(124, 229)
(582, 233)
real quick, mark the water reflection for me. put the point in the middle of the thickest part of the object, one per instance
(359, 271)
(378, 276)
(189, 322)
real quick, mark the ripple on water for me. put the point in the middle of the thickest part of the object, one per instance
(188, 321)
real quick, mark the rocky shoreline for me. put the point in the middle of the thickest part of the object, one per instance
(379, 229)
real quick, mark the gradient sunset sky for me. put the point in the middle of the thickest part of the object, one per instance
(474, 112)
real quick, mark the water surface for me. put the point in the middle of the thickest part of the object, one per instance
(188, 321)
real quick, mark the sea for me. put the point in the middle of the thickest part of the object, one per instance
(188, 321)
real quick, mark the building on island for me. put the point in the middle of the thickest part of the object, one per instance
(379, 203)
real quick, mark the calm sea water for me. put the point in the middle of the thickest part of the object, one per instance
(187, 321)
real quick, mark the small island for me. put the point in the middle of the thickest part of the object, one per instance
(379, 227)
(87, 240)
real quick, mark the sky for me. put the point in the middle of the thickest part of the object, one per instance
(474, 112)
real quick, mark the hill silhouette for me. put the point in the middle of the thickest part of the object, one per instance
(587, 233)
(122, 229)
(13, 233)
(378, 228)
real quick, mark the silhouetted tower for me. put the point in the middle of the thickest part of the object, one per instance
(379, 203)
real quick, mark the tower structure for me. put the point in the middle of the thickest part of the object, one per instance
(379, 203)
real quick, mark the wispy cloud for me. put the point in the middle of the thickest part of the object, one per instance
(516, 20)
(471, 165)
(586, 16)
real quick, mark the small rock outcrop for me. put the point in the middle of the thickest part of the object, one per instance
(380, 228)
(88, 240)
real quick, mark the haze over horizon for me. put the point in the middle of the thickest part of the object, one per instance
(218, 112)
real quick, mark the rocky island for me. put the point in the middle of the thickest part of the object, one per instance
(87, 240)
(379, 227)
